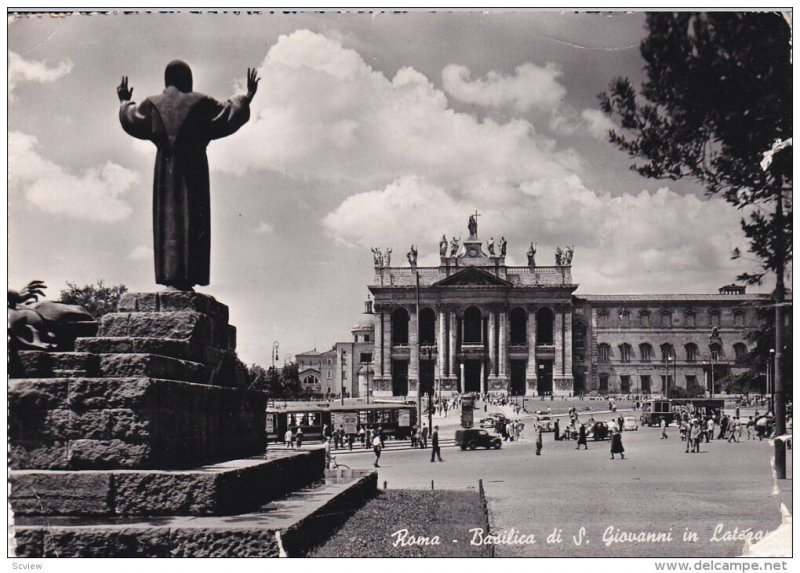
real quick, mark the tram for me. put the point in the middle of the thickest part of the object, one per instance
(656, 409)
(395, 419)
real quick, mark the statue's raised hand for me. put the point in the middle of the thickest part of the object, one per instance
(252, 83)
(123, 92)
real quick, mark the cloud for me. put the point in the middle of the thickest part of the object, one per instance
(597, 123)
(323, 113)
(264, 228)
(21, 70)
(530, 87)
(141, 253)
(94, 194)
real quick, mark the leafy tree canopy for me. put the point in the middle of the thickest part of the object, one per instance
(718, 95)
(97, 299)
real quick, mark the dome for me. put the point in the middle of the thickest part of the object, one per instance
(366, 321)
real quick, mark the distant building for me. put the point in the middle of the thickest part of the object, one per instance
(484, 326)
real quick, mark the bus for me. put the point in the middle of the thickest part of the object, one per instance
(671, 409)
(395, 419)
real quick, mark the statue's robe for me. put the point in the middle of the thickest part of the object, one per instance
(181, 125)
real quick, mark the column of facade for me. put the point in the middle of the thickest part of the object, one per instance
(387, 351)
(441, 342)
(568, 346)
(530, 371)
(504, 346)
(562, 377)
(493, 365)
(451, 347)
(377, 359)
(413, 344)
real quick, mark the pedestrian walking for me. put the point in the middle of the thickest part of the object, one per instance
(435, 451)
(423, 437)
(288, 438)
(376, 447)
(723, 427)
(582, 438)
(326, 430)
(539, 440)
(709, 429)
(413, 436)
(616, 445)
(694, 436)
(733, 429)
(664, 429)
(361, 435)
(299, 437)
(556, 434)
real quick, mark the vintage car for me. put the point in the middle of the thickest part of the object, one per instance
(546, 422)
(473, 438)
(597, 431)
(629, 423)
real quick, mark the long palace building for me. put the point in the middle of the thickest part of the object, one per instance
(483, 326)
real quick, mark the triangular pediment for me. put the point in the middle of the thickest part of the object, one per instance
(473, 277)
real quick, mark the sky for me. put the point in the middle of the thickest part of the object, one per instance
(372, 129)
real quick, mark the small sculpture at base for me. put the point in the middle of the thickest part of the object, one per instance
(46, 325)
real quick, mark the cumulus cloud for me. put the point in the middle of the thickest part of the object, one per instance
(21, 70)
(418, 168)
(597, 123)
(94, 194)
(529, 87)
(324, 113)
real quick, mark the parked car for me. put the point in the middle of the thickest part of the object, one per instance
(473, 438)
(597, 431)
(546, 422)
(629, 423)
(493, 420)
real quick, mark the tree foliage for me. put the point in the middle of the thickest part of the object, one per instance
(97, 299)
(718, 94)
(278, 383)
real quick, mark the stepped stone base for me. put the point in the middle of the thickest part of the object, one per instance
(125, 423)
(303, 519)
(222, 489)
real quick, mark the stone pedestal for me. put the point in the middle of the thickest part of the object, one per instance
(152, 418)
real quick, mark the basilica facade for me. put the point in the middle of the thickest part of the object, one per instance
(475, 324)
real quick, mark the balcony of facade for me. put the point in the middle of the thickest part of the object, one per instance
(545, 351)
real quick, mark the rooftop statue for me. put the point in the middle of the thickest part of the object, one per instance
(377, 256)
(490, 246)
(181, 123)
(412, 256)
(454, 246)
(532, 255)
(559, 256)
(503, 245)
(472, 225)
(387, 258)
(443, 246)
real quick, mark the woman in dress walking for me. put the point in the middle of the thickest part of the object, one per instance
(616, 445)
(582, 438)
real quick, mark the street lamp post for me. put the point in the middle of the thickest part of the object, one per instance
(771, 380)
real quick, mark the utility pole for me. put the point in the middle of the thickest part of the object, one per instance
(419, 349)
(777, 375)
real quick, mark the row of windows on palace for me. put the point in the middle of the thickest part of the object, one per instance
(665, 317)
(691, 350)
(472, 324)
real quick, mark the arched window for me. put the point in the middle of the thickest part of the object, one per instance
(310, 379)
(646, 352)
(666, 319)
(740, 350)
(644, 319)
(400, 326)
(603, 353)
(716, 351)
(714, 317)
(544, 326)
(667, 352)
(691, 352)
(625, 352)
(427, 326)
(473, 326)
(519, 326)
(689, 319)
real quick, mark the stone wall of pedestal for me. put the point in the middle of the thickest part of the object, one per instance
(157, 388)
